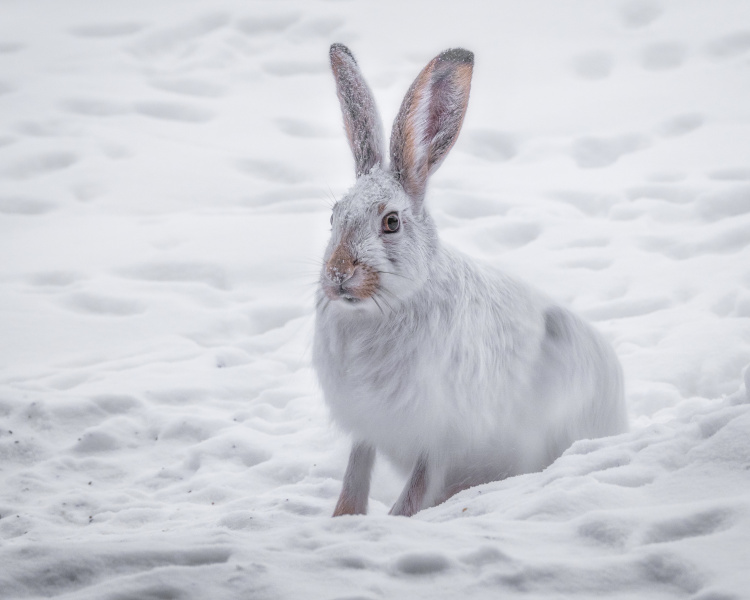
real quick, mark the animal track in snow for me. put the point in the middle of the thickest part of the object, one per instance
(607, 531)
(95, 107)
(271, 170)
(54, 278)
(180, 272)
(316, 28)
(592, 152)
(116, 403)
(639, 13)
(511, 233)
(189, 87)
(106, 30)
(680, 124)
(10, 47)
(661, 56)
(22, 205)
(303, 129)
(724, 240)
(421, 563)
(730, 174)
(267, 24)
(696, 525)
(96, 304)
(668, 193)
(593, 65)
(728, 202)
(168, 111)
(490, 144)
(166, 41)
(470, 207)
(594, 263)
(587, 202)
(623, 309)
(40, 164)
(729, 46)
(287, 68)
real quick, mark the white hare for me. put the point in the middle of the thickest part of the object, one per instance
(459, 374)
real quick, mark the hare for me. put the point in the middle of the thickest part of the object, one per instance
(457, 373)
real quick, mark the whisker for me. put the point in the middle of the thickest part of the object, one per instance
(380, 308)
(394, 274)
(388, 304)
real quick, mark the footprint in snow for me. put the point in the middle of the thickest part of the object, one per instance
(317, 28)
(288, 68)
(54, 278)
(421, 563)
(179, 272)
(687, 526)
(489, 144)
(271, 170)
(730, 202)
(639, 13)
(592, 152)
(680, 124)
(674, 194)
(593, 65)
(594, 204)
(106, 30)
(25, 206)
(100, 305)
(10, 47)
(662, 56)
(188, 87)
(163, 42)
(40, 164)
(728, 46)
(303, 129)
(95, 107)
(167, 111)
(725, 240)
(116, 403)
(730, 174)
(272, 24)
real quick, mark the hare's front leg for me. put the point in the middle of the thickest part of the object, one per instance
(356, 489)
(412, 497)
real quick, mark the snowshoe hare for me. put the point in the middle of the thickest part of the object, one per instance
(459, 374)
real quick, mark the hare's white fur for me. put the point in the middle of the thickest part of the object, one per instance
(456, 372)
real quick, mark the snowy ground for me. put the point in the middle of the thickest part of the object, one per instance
(166, 170)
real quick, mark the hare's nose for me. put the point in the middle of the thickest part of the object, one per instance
(340, 266)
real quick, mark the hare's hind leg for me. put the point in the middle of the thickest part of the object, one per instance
(412, 497)
(356, 489)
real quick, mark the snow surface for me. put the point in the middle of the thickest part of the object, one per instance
(166, 172)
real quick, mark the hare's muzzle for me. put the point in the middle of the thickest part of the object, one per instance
(346, 278)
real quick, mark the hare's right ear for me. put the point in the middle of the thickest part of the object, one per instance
(430, 118)
(363, 127)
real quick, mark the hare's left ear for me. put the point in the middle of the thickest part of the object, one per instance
(430, 118)
(361, 120)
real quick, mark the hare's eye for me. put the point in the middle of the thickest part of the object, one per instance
(331, 218)
(391, 223)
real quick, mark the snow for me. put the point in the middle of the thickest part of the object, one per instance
(166, 172)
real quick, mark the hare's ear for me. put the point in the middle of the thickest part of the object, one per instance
(363, 127)
(430, 118)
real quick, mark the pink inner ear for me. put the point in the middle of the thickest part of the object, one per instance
(430, 119)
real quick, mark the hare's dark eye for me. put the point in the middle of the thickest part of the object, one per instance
(391, 223)
(331, 218)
